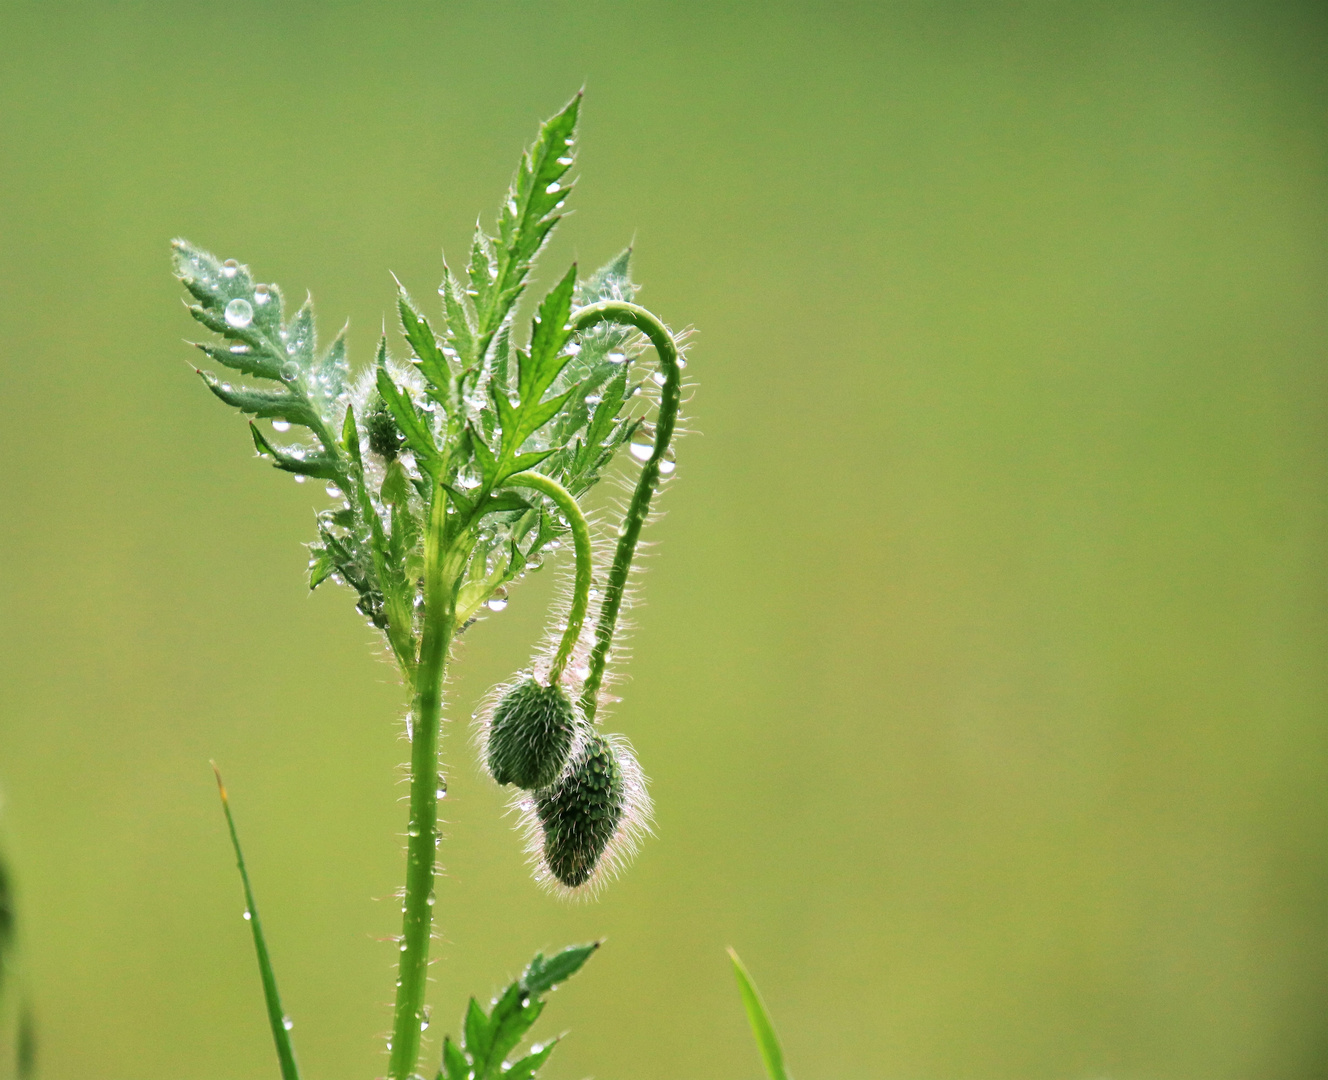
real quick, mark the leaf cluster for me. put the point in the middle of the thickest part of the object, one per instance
(445, 430)
(489, 1037)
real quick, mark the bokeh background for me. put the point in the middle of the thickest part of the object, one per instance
(981, 678)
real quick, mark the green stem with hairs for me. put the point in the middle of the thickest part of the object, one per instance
(576, 615)
(443, 564)
(619, 311)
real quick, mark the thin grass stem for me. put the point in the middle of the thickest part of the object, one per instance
(276, 1015)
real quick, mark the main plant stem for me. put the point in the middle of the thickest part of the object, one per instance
(421, 843)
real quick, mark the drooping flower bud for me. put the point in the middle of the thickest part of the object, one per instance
(531, 735)
(580, 814)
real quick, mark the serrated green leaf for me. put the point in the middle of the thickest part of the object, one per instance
(475, 1030)
(772, 1054)
(526, 1067)
(544, 974)
(432, 362)
(301, 339)
(455, 1065)
(522, 462)
(549, 335)
(298, 459)
(527, 216)
(483, 269)
(265, 404)
(334, 368)
(512, 1016)
(247, 361)
(409, 421)
(321, 567)
(350, 436)
(460, 321)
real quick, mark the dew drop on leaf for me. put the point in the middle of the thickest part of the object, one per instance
(553, 188)
(498, 601)
(290, 370)
(333, 491)
(262, 294)
(287, 1022)
(281, 425)
(230, 268)
(239, 313)
(616, 357)
(299, 478)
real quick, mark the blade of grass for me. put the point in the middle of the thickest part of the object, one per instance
(766, 1039)
(275, 1014)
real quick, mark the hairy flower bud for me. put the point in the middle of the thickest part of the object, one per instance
(580, 814)
(384, 438)
(531, 735)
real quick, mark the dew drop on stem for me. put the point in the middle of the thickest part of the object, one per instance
(239, 313)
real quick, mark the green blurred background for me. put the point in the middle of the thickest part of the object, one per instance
(981, 678)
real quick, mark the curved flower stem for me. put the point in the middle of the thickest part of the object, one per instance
(619, 311)
(576, 616)
(440, 574)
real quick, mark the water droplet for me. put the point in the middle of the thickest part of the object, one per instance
(226, 387)
(616, 357)
(660, 378)
(281, 425)
(496, 602)
(573, 348)
(247, 916)
(666, 466)
(414, 830)
(333, 491)
(641, 448)
(593, 399)
(581, 672)
(681, 363)
(230, 268)
(432, 900)
(287, 1022)
(239, 313)
(240, 350)
(262, 294)
(535, 562)
(564, 161)
(553, 188)
(290, 371)
(403, 946)
(299, 478)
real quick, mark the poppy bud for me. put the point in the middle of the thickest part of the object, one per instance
(531, 735)
(580, 814)
(384, 438)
